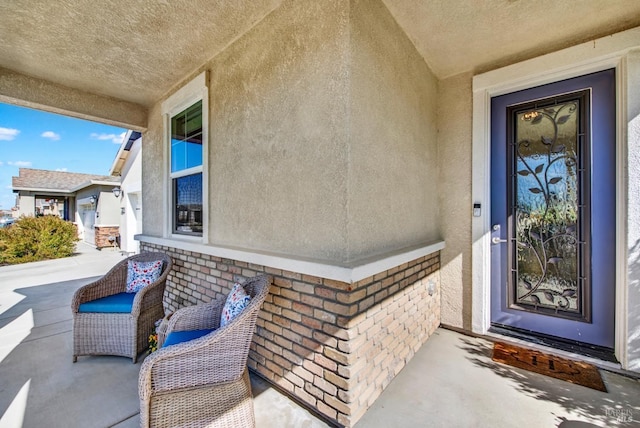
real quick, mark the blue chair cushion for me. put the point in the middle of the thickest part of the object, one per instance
(176, 337)
(120, 303)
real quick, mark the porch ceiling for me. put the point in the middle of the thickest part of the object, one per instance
(137, 50)
(132, 50)
(455, 36)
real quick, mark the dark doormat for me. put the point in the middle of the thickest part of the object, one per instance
(549, 365)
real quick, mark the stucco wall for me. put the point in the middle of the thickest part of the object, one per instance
(393, 182)
(633, 209)
(152, 174)
(86, 193)
(322, 133)
(278, 134)
(108, 208)
(27, 205)
(454, 158)
(131, 186)
(131, 170)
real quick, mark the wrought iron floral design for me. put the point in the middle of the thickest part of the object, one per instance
(546, 216)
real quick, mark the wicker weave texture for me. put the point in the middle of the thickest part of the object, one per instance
(118, 334)
(225, 405)
(203, 382)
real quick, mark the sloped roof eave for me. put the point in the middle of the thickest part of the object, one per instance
(42, 190)
(96, 183)
(123, 153)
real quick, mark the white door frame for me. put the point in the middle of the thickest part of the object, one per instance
(601, 54)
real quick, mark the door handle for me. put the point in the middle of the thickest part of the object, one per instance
(496, 240)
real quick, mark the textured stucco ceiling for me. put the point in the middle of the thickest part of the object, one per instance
(134, 50)
(137, 50)
(455, 36)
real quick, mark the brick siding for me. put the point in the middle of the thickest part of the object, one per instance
(331, 345)
(103, 233)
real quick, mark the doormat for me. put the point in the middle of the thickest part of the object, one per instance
(549, 365)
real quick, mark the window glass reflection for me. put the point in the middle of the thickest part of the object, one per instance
(186, 138)
(188, 204)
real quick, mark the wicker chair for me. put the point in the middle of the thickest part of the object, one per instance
(204, 381)
(123, 334)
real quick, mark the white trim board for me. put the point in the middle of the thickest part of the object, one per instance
(195, 90)
(601, 54)
(349, 273)
(62, 192)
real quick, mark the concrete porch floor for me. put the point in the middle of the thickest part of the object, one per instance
(451, 382)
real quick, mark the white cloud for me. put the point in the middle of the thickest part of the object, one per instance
(115, 139)
(61, 169)
(8, 134)
(19, 163)
(1, 163)
(50, 135)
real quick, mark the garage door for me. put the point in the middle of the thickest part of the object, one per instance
(88, 221)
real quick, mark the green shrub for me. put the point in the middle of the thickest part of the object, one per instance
(32, 239)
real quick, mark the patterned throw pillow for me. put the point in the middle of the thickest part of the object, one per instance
(237, 300)
(141, 274)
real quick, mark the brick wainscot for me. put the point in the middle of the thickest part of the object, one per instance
(103, 233)
(330, 342)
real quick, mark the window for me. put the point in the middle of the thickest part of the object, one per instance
(186, 139)
(186, 170)
(186, 118)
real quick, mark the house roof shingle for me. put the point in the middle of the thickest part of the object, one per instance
(56, 180)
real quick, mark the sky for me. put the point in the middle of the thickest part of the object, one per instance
(36, 139)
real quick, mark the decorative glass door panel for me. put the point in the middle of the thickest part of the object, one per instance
(553, 210)
(548, 191)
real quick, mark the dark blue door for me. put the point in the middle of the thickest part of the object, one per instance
(553, 209)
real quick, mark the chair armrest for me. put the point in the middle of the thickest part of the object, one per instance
(148, 297)
(113, 282)
(218, 357)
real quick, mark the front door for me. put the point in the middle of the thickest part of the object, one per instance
(553, 210)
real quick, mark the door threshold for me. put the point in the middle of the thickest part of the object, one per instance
(592, 351)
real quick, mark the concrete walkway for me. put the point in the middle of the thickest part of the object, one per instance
(451, 382)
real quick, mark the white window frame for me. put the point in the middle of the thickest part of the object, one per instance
(194, 91)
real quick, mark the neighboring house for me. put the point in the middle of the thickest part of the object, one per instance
(369, 157)
(85, 199)
(51, 206)
(128, 166)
